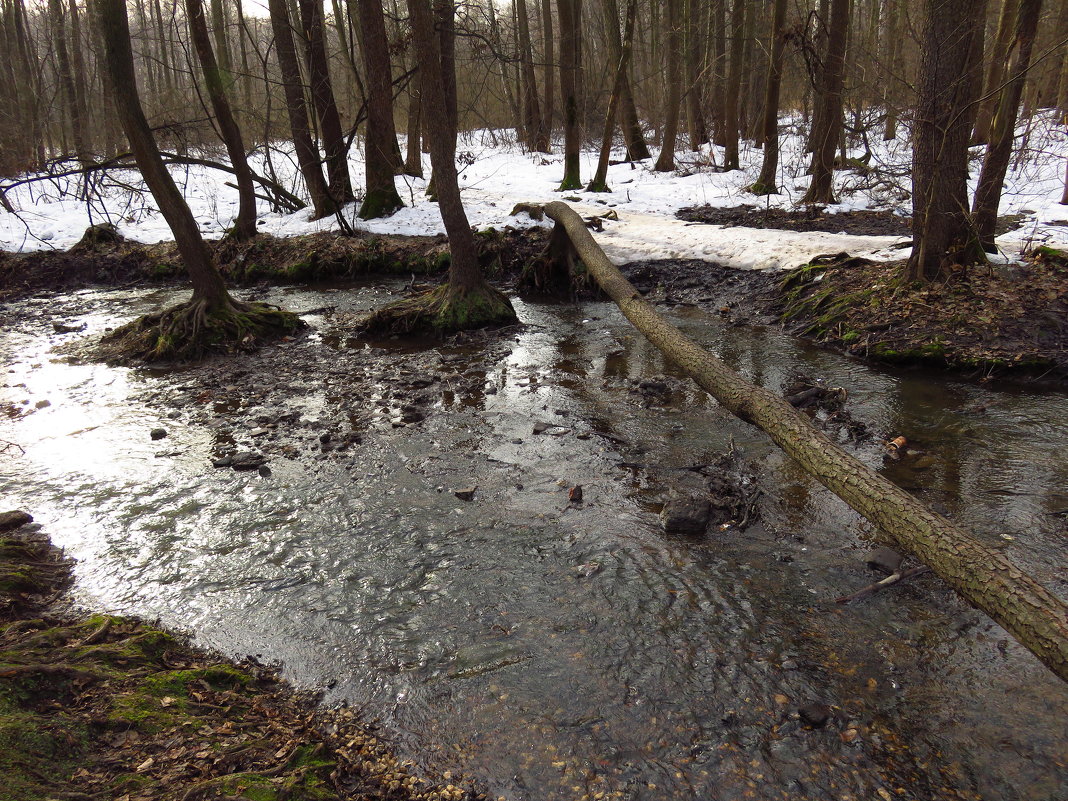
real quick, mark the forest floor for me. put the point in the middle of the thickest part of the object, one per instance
(103, 707)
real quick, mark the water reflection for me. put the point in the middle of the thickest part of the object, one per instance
(554, 650)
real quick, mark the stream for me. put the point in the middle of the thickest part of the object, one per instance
(546, 649)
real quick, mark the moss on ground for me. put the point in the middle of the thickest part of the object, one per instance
(983, 320)
(440, 311)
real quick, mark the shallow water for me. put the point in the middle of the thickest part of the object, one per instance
(548, 650)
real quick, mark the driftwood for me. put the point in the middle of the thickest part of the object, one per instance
(982, 575)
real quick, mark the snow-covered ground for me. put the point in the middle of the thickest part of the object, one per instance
(497, 174)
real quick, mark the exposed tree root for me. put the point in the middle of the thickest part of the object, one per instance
(189, 331)
(557, 271)
(440, 311)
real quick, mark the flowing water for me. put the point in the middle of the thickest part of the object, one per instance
(551, 650)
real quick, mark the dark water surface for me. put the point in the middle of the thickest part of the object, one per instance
(555, 651)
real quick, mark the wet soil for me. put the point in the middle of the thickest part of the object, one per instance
(817, 218)
(262, 260)
(813, 218)
(98, 706)
(986, 321)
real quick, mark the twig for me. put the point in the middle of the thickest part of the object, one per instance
(890, 580)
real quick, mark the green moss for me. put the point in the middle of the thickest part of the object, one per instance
(759, 188)
(380, 203)
(33, 749)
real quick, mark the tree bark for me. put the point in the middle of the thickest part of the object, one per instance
(334, 145)
(570, 85)
(538, 136)
(600, 178)
(637, 149)
(307, 154)
(734, 81)
(695, 56)
(827, 123)
(465, 277)
(673, 20)
(941, 226)
(767, 183)
(995, 72)
(983, 576)
(214, 80)
(381, 198)
(548, 70)
(999, 150)
(114, 26)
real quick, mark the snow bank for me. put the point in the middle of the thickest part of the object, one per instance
(498, 175)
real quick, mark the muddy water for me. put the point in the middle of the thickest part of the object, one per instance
(551, 650)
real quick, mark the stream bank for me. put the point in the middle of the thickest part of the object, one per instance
(993, 321)
(102, 706)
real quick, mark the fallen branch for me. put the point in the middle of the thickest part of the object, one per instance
(889, 581)
(983, 576)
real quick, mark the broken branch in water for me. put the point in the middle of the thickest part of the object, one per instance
(890, 580)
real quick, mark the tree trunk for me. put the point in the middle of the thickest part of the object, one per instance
(995, 72)
(982, 575)
(941, 227)
(718, 33)
(214, 80)
(222, 42)
(307, 155)
(548, 71)
(334, 145)
(734, 81)
(999, 151)
(466, 285)
(695, 56)
(537, 135)
(600, 178)
(66, 79)
(829, 102)
(381, 198)
(637, 149)
(413, 163)
(767, 183)
(114, 26)
(673, 19)
(570, 85)
(892, 59)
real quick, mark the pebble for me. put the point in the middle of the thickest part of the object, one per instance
(158, 433)
(815, 714)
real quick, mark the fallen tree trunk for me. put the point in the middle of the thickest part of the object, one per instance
(983, 576)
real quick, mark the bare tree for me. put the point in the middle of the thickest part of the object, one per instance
(381, 198)
(297, 110)
(999, 150)
(941, 226)
(827, 124)
(673, 21)
(466, 301)
(214, 80)
(570, 88)
(211, 319)
(767, 183)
